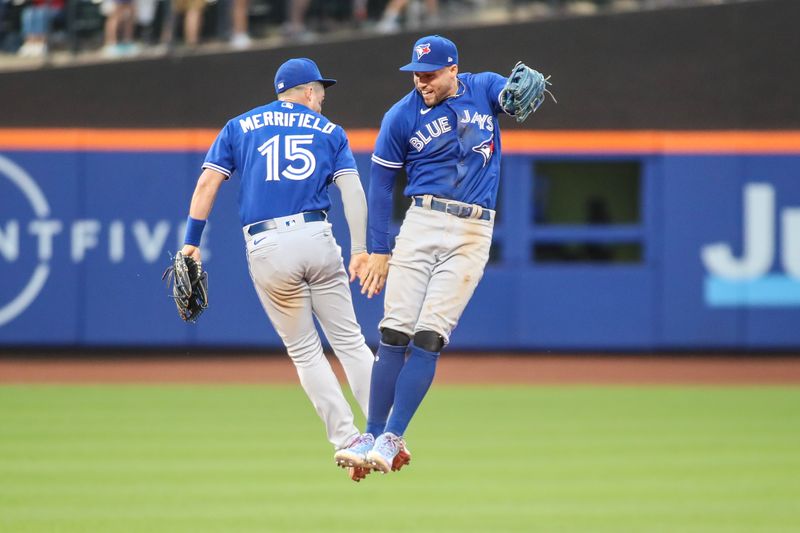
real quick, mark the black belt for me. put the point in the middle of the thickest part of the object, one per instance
(310, 216)
(459, 210)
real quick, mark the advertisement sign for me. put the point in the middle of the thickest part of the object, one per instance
(85, 236)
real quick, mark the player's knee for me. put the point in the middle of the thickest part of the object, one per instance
(394, 338)
(305, 355)
(430, 341)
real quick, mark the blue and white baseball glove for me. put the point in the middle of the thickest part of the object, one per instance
(524, 91)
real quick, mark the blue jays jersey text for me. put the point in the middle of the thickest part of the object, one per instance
(286, 156)
(451, 150)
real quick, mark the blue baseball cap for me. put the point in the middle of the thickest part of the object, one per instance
(432, 53)
(297, 72)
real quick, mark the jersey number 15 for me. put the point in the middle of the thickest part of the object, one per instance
(292, 151)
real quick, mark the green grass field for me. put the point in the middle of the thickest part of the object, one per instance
(254, 458)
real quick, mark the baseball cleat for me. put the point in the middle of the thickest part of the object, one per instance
(357, 473)
(382, 455)
(402, 458)
(354, 454)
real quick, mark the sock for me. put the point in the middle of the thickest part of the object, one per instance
(389, 361)
(412, 386)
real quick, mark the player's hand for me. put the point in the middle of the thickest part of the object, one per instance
(358, 266)
(375, 277)
(191, 251)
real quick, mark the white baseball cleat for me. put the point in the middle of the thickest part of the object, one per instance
(387, 448)
(354, 454)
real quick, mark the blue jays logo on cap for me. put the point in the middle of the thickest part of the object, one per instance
(422, 49)
(432, 53)
(297, 72)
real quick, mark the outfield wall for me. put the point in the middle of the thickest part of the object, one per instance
(655, 207)
(86, 227)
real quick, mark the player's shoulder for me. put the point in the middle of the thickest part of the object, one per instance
(404, 108)
(323, 120)
(334, 133)
(322, 117)
(480, 79)
(338, 134)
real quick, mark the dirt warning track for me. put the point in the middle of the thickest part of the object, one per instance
(452, 369)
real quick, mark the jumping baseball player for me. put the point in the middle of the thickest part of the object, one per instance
(287, 154)
(445, 133)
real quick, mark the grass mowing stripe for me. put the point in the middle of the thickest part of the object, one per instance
(254, 458)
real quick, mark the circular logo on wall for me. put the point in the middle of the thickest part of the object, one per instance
(9, 170)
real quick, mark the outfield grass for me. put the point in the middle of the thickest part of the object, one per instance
(253, 458)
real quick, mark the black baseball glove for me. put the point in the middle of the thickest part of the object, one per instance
(189, 286)
(524, 91)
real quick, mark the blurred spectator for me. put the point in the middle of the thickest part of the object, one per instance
(359, 12)
(119, 21)
(390, 20)
(295, 27)
(192, 11)
(237, 20)
(328, 15)
(240, 39)
(2, 17)
(145, 16)
(9, 28)
(36, 20)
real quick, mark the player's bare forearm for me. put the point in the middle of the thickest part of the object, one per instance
(375, 275)
(358, 266)
(205, 193)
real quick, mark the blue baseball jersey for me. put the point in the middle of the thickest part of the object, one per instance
(286, 156)
(450, 150)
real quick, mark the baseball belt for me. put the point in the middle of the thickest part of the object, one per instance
(309, 216)
(453, 208)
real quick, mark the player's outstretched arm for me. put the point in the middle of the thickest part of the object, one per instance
(380, 208)
(355, 211)
(205, 193)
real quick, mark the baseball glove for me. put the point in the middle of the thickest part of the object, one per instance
(524, 91)
(189, 286)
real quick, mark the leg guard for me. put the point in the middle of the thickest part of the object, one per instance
(430, 341)
(394, 338)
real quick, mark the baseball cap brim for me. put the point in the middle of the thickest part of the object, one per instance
(422, 67)
(327, 82)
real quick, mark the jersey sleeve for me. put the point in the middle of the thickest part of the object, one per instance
(492, 84)
(391, 147)
(220, 156)
(380, 207)
(345, 163)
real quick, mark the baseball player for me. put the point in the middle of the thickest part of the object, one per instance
(287, 154)
(445, 133)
